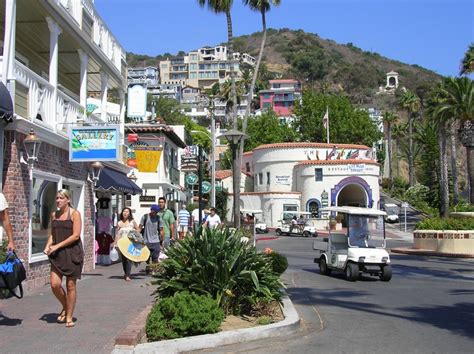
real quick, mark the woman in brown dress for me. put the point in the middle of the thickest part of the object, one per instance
(64, 249)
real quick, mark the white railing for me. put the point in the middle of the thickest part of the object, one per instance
(68, 111)
(74, 8)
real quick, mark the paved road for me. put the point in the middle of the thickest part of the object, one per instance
(428, 307)
(412, 215)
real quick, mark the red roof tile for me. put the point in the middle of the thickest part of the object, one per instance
(222, 174)
(336, 162)
(310, 145)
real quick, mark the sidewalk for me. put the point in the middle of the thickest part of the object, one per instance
(105, 305)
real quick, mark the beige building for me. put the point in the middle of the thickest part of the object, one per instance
(202, 68)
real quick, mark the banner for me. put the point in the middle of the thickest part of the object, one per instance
(94, 144)
(147, 158)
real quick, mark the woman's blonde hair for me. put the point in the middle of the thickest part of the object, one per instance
(66, 194)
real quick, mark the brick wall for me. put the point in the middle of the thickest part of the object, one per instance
(16, 188)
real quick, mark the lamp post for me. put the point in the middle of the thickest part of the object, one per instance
(235, 137)
(32, 146)
(213, 163)
(96, 169)
(133, 177)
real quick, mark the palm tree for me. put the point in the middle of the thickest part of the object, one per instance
(388, 119)
(457, 103)
(262, 6)
(467, 63)
(398, 131)
(454, 169)
(224, 6)
(411, 103)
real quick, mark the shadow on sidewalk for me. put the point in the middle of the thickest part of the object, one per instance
(6, 321)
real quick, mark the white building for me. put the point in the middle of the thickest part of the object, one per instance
(309, 176)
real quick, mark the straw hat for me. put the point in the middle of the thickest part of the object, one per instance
(135, 252)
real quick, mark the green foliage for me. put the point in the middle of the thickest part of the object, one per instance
(278, 261)
(267, 129)
(418, 192)
(446, 224)
(216, 263)
(221, 203)
(347, 124)
(183, 315)
(463, 207)
(263, 320)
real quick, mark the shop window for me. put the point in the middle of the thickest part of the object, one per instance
(44, 204)
(318, 174)
(268, 178)
(260, 178)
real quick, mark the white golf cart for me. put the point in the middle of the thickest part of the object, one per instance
(358, 248)
(296, 223)
(251, 216)
(392, 211)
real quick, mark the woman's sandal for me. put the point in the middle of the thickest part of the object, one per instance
(62, 317)
(70, 324)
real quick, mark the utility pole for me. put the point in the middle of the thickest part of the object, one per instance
(200, 183)
(213, 151)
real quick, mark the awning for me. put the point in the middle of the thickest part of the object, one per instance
(6, 104)
(111, 180)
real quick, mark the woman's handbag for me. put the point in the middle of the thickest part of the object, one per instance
(12, 273)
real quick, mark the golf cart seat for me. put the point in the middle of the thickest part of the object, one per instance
(339, 243)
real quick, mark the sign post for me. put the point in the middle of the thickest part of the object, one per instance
(405, 206)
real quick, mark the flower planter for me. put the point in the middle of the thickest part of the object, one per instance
(445, 241)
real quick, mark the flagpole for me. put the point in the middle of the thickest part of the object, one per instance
(327, 124)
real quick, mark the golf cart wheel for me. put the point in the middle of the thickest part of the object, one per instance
(278, 232)
(352, 271)
(306, 233)
(386, 274)
(323, 267)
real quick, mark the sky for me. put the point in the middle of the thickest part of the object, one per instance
(434, 34)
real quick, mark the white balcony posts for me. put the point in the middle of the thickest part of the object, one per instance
(122, 112)
(69, 111)
(74, 8)
(104, 78)
(9, 46)
(84, 58)
(55, 31)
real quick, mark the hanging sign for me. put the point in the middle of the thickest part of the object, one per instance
(94, 143)
(147, 158)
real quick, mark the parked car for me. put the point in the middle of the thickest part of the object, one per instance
(358, 249)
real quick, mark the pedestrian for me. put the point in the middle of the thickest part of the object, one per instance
(124, 226)
(183, 222)
(213, 220)
(6, 223)
(115, 219)
(195, 218)
(64, 249)
(152, 231)
(168, 221)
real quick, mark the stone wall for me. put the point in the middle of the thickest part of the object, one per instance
(445, 241)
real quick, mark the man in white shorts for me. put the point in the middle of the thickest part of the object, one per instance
(183, 222)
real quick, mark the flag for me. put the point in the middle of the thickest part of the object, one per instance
(354, 155)
(317, 155)
(326, 119)
(348, 154)
(340, 155)
(332, 153)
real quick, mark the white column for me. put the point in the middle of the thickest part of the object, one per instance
(122, 115)
(54, 32)
(84, 58)
(104, 79)
(9, 46)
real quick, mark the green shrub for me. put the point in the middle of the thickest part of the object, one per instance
(183, 315)
(278, 261)
(463, 207)
(446, 224)
(217, 263)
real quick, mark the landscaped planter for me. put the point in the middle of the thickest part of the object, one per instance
(445, 241)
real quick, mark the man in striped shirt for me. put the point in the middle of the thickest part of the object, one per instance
(183, 222)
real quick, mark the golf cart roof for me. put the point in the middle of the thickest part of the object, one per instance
(251, 211)
(296, 212)
(390, 205)
(355, 210)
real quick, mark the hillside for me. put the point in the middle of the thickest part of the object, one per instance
(323, 63)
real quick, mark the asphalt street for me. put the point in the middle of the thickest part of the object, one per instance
(427, 307)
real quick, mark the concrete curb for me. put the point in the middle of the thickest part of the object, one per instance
(421, 252)
(288, 326)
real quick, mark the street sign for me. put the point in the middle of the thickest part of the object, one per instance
(218, 188)
(405, 205)
(191, 179)
(206, 187)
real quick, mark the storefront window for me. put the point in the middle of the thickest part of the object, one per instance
(44, 204)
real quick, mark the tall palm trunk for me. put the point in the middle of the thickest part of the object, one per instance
(454, 169)
(254, 81)
(397, 142)
(230, 52)
(467, 139)
(411, 164)
(443, 180)
(389, 153)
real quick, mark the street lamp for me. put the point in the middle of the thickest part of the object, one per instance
(132, 177)
(96, 169)
(213, 163)
(32, 146)
(235, 137)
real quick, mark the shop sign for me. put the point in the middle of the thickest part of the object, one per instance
(147, 158)
(136, 107)
(148, 198)
(282, 180)
(191, 179)
(356, 168)
(94, 143)
(206, 187)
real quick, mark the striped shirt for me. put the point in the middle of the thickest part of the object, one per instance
(183, 217)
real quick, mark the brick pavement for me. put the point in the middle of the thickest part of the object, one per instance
(106, 305)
